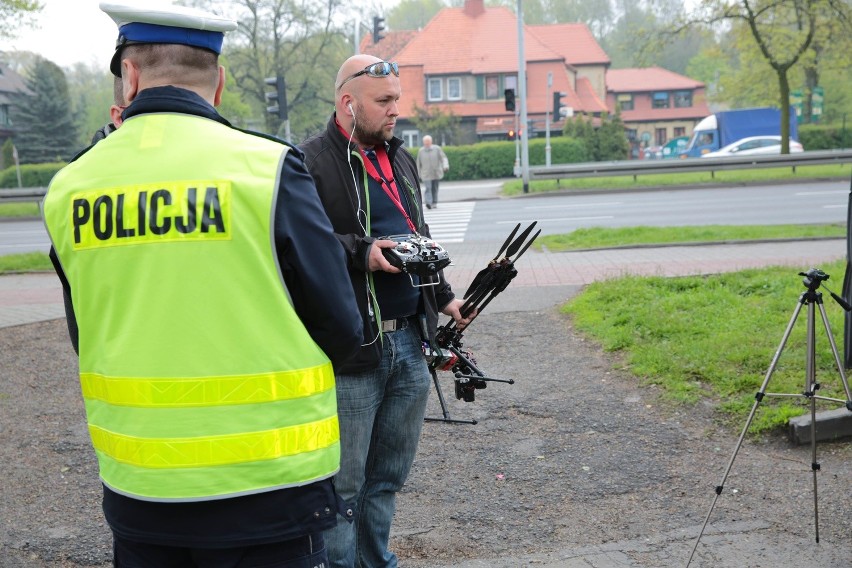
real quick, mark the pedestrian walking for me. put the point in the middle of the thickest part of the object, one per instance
(432, 164)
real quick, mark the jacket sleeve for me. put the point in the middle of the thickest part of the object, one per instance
(313, 264)
(70, 317)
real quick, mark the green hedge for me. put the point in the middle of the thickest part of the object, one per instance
(32, 175)
(489, 160)
(819, 137)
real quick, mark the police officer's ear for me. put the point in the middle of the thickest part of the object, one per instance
(217, 96)
(115, 115)
(129, 80)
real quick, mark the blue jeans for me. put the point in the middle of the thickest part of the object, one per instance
(381, 414)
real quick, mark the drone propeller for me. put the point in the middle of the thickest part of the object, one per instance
(517, 243)
(509, 247)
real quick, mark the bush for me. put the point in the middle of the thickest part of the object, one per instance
(32, 175)
(489, 160)
(828, 137)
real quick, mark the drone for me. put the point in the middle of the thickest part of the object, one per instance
(450, 355)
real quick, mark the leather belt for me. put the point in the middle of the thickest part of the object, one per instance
(395, 324)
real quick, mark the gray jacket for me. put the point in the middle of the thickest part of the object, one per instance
(432, 163)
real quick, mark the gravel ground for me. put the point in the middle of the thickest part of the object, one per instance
(574, 459)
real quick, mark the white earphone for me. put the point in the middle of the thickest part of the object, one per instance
(350, 109)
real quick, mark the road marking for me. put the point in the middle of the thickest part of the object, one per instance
(601, 204)
(556, 219)
(448, 222)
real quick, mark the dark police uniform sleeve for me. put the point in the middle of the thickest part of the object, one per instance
(314, 265)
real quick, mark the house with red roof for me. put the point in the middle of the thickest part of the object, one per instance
(464, 60)
(656, 105)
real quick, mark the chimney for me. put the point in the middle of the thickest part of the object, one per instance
(473, 8)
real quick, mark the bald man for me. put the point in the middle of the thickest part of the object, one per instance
(369, 187)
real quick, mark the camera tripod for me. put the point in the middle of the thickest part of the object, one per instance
(812, 280)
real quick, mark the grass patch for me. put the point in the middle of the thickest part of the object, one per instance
(599, 237)
(22, 210)
(26, 262)
(715, 336)
(515, 187)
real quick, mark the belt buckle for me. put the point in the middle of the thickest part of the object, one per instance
(389, 325)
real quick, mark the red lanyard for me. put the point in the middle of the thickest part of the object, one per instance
(385, 178)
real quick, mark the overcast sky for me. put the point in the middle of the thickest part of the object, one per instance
(76, 31)
(68, 32)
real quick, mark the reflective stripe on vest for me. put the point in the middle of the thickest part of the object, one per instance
(199, 379)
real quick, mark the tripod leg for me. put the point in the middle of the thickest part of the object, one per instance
(758, 398)
(837, 360)
(810, 392)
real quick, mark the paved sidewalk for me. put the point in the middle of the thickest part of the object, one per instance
(28, 298)
(546, 279)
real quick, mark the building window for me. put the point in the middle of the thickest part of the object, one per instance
(454, 89)
(660, 100)
(631, 134)
(436, 92)
(411, 138)
(4, 115)
(492, 87)
(660, 136)
(625, 102)
(682, 99)
(679, 131)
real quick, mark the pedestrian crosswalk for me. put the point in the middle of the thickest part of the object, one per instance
(448, 221)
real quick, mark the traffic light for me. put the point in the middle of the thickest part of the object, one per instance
(377, 29)
(557, 104)
(510, 99)
(278, 97)
(511, 135)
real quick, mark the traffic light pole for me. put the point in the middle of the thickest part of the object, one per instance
(522, 91)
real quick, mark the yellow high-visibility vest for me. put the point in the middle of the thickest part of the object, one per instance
(199, 380)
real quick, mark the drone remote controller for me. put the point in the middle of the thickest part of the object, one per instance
(417, 255)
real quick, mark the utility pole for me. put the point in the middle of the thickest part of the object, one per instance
(547, 121)
(356, 34)
(522, 91)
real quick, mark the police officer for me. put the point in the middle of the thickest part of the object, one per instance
(190, 255)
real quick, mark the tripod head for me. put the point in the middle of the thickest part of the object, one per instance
(812, 280)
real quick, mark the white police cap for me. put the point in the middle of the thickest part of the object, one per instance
(165, 24)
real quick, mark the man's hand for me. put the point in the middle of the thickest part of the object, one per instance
(377, 260)
(453, 310)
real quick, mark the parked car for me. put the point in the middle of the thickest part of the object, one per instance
(652, 153)
(754, 145)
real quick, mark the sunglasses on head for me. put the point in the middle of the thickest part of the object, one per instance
(378, 69)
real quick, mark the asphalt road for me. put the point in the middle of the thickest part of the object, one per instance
(471, 212)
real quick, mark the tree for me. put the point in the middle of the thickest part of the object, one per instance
(443, 127)
(611, 139)
(90, 88)
(413, 14)
(44, 124)
(580, 128)
(15, 14)
(296, 38)
(783, 31)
